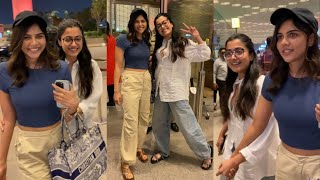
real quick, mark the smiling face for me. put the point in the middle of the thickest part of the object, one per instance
(140, 25)
(164, 27)
(292, 43)
(238, 57)
(71, 42)
(34, 42)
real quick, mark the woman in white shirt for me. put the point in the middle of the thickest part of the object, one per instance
(243, 88)
(85, 72)
(172, 59)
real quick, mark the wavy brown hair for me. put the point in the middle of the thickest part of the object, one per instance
(280, 69)
(131, 35)
(85, 71)
(248, 90)
(17, 64)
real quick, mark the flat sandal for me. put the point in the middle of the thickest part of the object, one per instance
(125, 172)
(140, 155)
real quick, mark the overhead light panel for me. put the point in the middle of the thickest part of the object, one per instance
(304, 0)
(264, 10)
(236, 5)
(246, 6)
(282, 6)
(256, 7)
(272, 9)
(225, 3)
(292, 3)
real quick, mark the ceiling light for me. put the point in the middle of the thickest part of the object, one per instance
(264, 10)
(282, 6)
(272, 9)
(246, 6)
(255, 7)
(292, 3)
(254, 13)
(236, 5)
(247, 14)
(240, 16)
(304, 0)
(225, 3)
(215, 1)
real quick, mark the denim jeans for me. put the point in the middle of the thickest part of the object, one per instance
(187, 123)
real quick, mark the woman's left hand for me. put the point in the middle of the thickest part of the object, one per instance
(192, 31)
(67, 98)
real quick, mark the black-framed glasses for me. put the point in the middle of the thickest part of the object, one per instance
(164, 23)
(237, 52)
(68, 40)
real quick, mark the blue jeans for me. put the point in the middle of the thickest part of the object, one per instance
(187, 123)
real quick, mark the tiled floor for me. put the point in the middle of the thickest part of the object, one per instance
(182, 164)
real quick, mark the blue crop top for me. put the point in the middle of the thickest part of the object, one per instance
(136, 56)
(33, 102)
(293, 108)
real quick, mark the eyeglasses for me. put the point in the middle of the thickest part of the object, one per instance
(69, 40)
(164, 23)
(238, 53)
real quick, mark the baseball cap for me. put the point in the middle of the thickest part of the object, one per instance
(303, 14)
(24, 15)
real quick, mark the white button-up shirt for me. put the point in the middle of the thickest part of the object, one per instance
(89, 105)
(261, 154)
(173, 78)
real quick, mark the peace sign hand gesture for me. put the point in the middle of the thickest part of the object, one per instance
(193, 32)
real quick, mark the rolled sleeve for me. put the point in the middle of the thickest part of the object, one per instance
(247, 154)
(197, 52)
(260, 146)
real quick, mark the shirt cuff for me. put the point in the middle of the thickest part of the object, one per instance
(248, 155)
(84, 109)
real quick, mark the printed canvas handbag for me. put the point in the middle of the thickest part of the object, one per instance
(83, 157)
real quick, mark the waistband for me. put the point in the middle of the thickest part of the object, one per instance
(299, 158)
(39, 133)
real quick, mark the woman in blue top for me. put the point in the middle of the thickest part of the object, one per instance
(133, 49)
(26, 95)
(291, 91)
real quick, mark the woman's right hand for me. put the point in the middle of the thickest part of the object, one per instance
(117, 98)
(3, 171)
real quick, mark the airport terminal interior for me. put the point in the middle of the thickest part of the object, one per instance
(214, 20)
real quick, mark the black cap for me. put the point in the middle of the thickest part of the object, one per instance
(24, 15)
(303, 14)
(138, 11)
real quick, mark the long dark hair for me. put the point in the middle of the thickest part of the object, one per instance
(131, 35)
(248, 90)
(17, 65)
(280, 69)
(84, 58)
(178, 42)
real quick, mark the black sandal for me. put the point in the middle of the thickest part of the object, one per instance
(158, 159)
(207, 165)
